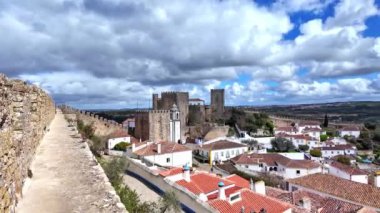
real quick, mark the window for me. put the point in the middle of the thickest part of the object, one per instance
(246, 166)
(298, 172)
(260, 165)
(237, 152)
(228, 154)
(222, 153)
(167, 160)
(233, 152)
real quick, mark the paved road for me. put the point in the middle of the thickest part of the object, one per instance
(65, 177)
(146, 194)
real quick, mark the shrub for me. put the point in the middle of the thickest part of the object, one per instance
(324, 137)
(316, 153)
(282, 145)
(122, 146)
(344, 160)
(303, 148)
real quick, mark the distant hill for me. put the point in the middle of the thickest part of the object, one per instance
(358, 112)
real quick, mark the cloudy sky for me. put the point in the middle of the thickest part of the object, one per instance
(116, 53)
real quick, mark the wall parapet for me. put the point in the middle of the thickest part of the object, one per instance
(25, 115)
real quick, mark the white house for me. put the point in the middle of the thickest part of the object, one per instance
(348, 172)
(221, 150)
(275, 164)
(163, 154)
(290, 130)
(307, 124)
(118, 137)
(334, 150)
(300, 139)
(350, 131)
(313, 132)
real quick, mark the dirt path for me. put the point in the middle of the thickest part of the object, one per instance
(65, 177)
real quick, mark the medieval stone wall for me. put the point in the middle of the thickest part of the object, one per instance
(142, 125)
(159, 125)
(25, 114)
(153, 125)
(102, 126)
(181, 99)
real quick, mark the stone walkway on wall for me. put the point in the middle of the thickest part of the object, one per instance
(66, 178)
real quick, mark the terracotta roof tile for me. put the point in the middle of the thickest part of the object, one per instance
(318, 202)
(222, 145)
(348, 169)
(203, 183)
(339, 187)
(251, 201)
(350, 128)
(172, 171)
(337, 147)
(239, 181)
(166, 147)
(273, 159)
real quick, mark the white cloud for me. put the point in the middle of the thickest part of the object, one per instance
(315, 6)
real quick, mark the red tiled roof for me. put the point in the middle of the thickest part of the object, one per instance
(166, 147)
(337, 147)
(350, 128)
(286, 129)
(203, 183)
(172, 171)
(309, 123)
(227, 191)
(352, 191)
(251, 201)
(119, 134)
(239, 181)
(312, 129)
(348, 169)
(304, 137)
(223, 144)
(273, 159)
(318, 202)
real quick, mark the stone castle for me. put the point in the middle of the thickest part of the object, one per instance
(25, 114)
(155, 124)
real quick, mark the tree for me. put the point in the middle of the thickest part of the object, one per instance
(303, 148)
(323, 137)
(344, 160)
(122, 146)
(326, 121)
(114, 170)
(282, 145)
(251, 143)
(316, 153)
(370, 125)
(169, 202)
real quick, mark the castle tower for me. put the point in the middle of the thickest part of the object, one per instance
(175, 124)
(217, 102)
(155, 101)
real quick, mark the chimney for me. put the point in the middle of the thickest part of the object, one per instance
(222, 193)
(133, 147)
(186, 173)
(377, 179)
(251, 185)
(259, 187)
(306, 203)
(242, 210)
(159, 148)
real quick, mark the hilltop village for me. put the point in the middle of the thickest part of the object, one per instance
(214, 162)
